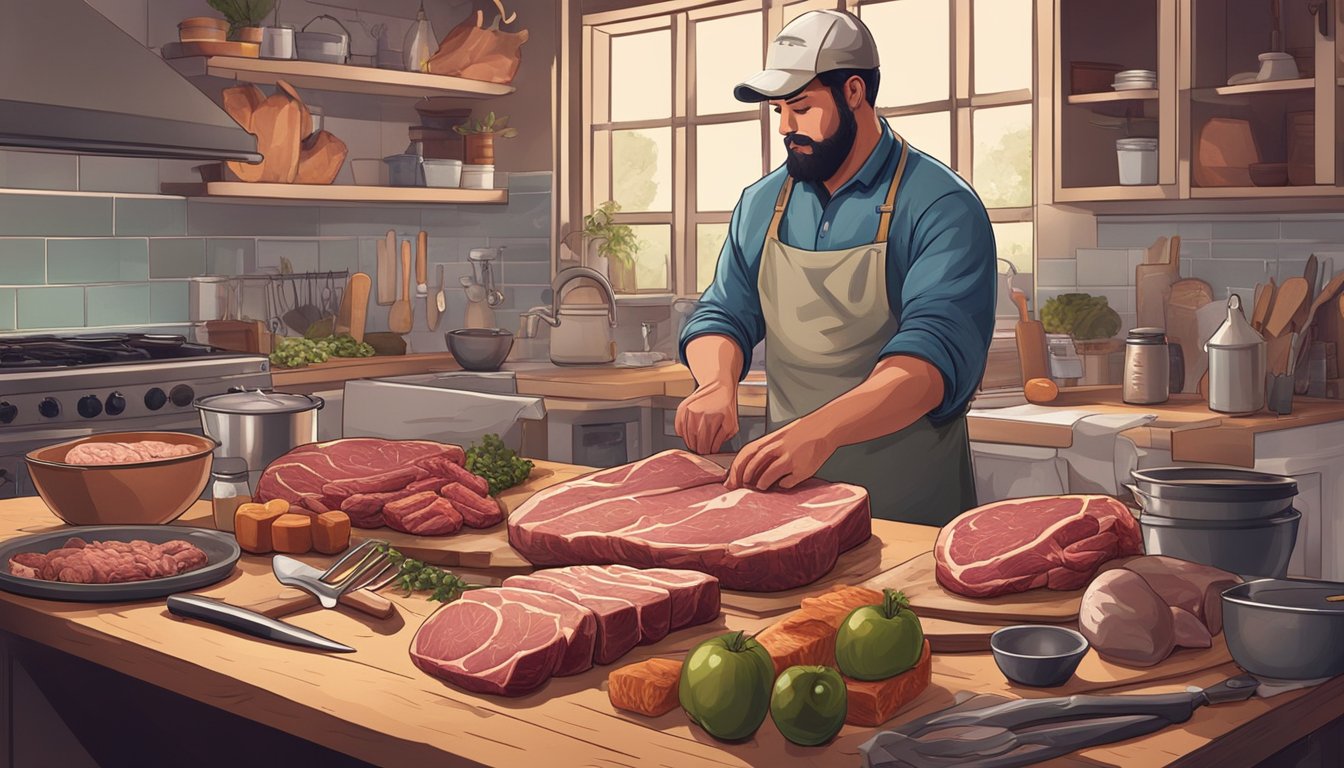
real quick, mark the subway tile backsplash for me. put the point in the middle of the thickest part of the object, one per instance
(81, 260)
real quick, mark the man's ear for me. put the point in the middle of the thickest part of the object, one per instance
(855, 92)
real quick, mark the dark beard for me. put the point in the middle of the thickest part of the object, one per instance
(827, 155)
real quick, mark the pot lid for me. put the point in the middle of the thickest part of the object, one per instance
(1235, 331)
(258, 401)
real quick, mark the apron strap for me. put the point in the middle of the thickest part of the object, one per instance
(781, 203)
(884, 224)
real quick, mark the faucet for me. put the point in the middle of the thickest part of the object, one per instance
(551, 314)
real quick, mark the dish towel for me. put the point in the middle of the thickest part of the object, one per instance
(1100, 460)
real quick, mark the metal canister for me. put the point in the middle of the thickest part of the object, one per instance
(1236, 364)
(1147, 367)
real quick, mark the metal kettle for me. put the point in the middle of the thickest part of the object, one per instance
(583, 334)
(1236, 364)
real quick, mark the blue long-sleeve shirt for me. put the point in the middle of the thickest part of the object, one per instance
(941, 269)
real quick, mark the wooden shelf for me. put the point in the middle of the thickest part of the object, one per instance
(1318, 190)
(342, 78)
(1269, 86)
(1116, 192)
(331, 193)
(1105, 97)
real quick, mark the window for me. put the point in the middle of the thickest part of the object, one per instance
(665, 138)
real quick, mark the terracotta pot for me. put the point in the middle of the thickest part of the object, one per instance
(198, 28)
(248, 35)
(479, 148)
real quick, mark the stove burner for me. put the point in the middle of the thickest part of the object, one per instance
(46, 352)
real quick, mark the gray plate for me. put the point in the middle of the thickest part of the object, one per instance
(221, 552)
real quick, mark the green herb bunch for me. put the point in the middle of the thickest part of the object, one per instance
(488, 124)
(616, 242)
(497, 463)
(243, 13)
(415, 576)
(293, 352)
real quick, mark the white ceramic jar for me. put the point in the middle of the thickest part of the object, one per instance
(1138, 161)
(478, 177)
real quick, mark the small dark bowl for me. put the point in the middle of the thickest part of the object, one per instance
(480, 349)
(1038, 655)
(1269, 174)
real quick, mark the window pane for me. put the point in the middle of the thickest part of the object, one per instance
(1002, 170)
(930, 133)
(1002, 30)
(794, 10)
(653, 256)
(641, 169)
(641, 76)
(1014, 243)
(912, 36)
(778, 152)
(708, 245)
(727, 51)
(728, 160)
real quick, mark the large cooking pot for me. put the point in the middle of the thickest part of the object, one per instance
(259, 426)
(1212, 493)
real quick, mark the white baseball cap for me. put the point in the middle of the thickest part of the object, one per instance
(813, 43)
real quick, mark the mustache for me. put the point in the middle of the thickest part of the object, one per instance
(798, 139)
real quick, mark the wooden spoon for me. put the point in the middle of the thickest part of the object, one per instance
(358, 292)
(399, 317)
(1264, 300)
(1288, 302)
(1310, 321)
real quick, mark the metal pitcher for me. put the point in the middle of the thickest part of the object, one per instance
(1236, 364)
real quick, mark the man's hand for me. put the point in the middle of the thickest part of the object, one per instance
(787, 456)
(708, 418)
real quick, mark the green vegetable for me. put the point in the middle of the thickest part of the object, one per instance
(1082, 316)
(243, 13)
(725, 686)
(296, 352)
(415, 576)
(879, 641)
(809, 704)
(497, 463)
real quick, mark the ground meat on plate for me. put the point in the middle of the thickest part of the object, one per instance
(109, 562)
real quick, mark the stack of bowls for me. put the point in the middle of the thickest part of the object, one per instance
(1135, 80)
(1238, 520)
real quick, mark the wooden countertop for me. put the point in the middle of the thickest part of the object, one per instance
(377, 706)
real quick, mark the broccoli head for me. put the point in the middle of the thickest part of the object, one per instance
(1081, 316)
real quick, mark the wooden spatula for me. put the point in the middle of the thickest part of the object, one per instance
(387, 269)
(1288, 300)
(1264, 300)
(399, 317)
(1031, 352)
(360, 285)
(1312, 317)
(1152, 282)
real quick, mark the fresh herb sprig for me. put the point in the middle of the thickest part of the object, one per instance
(497, 463)
(415, 576)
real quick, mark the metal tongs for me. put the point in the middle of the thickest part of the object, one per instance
(987, 731)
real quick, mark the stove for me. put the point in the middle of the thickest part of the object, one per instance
(57, 388)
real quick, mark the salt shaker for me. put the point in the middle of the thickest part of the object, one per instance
(228, 491)
(1147, 367)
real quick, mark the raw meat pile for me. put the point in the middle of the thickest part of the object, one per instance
(108, 562)
(124, 453)
(672, 510)
(1015, 545)
(1140, 612)
(414, 486)
(510, 640)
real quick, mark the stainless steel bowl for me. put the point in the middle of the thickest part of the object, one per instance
(1038, 655)
(1285, 629)
(480, 349)
(1248, 548)
(1212, 493)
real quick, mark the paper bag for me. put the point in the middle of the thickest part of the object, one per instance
(476, 52)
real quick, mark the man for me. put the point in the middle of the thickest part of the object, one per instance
(868, 269)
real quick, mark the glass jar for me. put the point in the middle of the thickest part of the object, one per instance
(229, 490)
(1147, 367)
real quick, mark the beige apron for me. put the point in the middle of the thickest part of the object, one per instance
(827, 318)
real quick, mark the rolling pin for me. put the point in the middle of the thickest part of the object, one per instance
(1031, 350)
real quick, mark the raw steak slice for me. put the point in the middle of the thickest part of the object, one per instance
(424, 514)
(299, 476)
(695, 595)
(477, 511)
(382, 482)
(1015, 545)
(672, 510)
(617, 620)
(578, 624)
(652, 604)
(490, 642)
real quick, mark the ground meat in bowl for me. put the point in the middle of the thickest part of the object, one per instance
(124, 453)
(109, 562)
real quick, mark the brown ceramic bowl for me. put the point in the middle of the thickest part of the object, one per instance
(142, 493)
(1269, 174)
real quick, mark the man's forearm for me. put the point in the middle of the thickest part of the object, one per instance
(714, 358)
(900, 391)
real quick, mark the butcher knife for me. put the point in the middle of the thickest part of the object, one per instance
(250, 622)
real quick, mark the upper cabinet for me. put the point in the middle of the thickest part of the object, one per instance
(1190, 99)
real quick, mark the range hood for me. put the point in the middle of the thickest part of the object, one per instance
(75, 82)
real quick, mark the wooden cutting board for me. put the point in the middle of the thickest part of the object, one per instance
(1182, 324)
(916, 578)
(1153, 280)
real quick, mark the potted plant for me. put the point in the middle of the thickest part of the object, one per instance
(245, 17)
(616, 245)
(478, 138)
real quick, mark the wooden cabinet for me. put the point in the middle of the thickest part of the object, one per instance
(1222, 128)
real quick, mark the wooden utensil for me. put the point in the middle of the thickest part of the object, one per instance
(1288, 300)
(358, 292)
(1313, 320)
(1182, 324)
(1031, 350)
(421, 249)
(295, 600)
(432, 301)
(400, 316)
(1152, 282)
(320, 159)
(342, 324)
(1264, 301)
(387, 269)
(1312, 274)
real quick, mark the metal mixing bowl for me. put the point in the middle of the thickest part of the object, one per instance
(479, 349)
(1248, 548)
(1039, 655)
(1285, 629)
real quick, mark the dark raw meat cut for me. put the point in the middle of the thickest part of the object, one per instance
(476, 511)
(424, 514)
(383, 482)
(1015, 545)
(109, 562)
(455, 472)
(300, 475)
(695, 595)
(672, 510)
(617, 620)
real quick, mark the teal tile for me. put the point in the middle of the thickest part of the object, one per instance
(50, 307)
(23, 262)
(54, 216)
(169, 302)
(529, 182)
(228, 256)
(176, 257)
(136, 216)
(6, 309)
(118, 174)
(37, 170)
(97, 260)
(208, 217)
(336, 255)
(117, 304)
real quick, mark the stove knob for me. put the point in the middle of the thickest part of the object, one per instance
(182, 395)
(49, 408)
(116, 404)
(155, 399)
(89, 406)
(8, 412)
